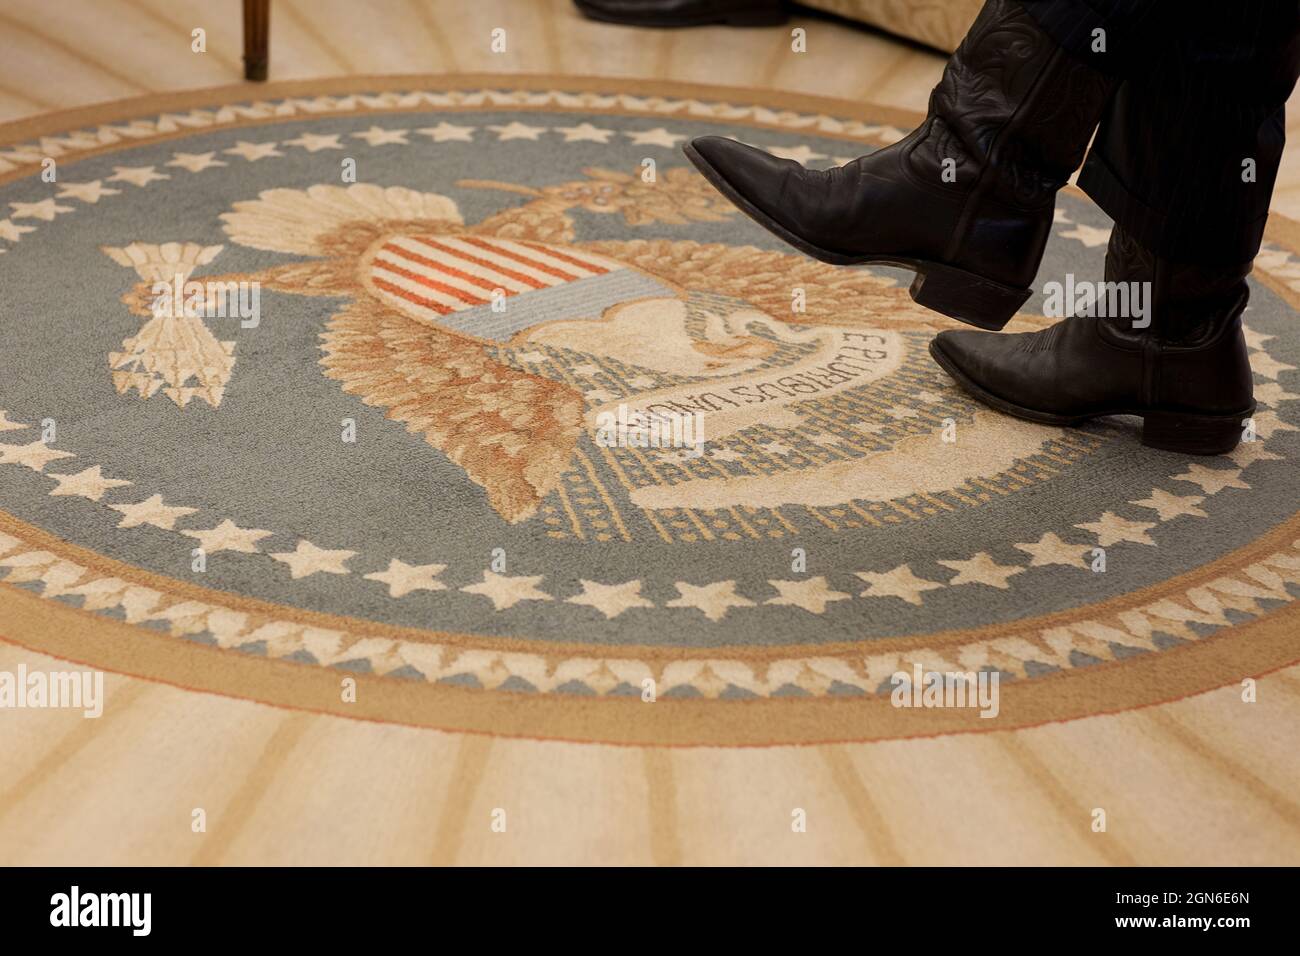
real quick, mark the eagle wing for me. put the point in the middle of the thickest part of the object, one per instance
(513, 433)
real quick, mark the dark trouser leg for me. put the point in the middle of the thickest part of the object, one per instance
(1187, 174)
(1120, 46)
(1187, 152)
(1184, 161)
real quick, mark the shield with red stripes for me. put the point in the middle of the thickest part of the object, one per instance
(492, 288)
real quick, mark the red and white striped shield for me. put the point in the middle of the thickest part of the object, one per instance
(452, 280)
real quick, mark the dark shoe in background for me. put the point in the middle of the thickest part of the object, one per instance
(685, 13)
(966, 199)
(1187, 373)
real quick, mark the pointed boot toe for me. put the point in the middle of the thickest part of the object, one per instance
(738, 170)
(969, 353)
(1023, 374)
(977, 360)
(755, 181)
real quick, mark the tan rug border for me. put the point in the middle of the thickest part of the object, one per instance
(116, 111)
(1253, 649)
(65, 122)
(68, 121)
(1281, 537)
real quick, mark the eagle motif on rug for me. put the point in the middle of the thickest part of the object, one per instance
(455, 329)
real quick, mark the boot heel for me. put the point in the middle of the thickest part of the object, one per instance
(1194, 434)
(966, 297)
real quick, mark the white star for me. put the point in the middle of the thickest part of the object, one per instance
(1267, 423)
(378, 136)
(6, 425)
(12, 231)
(517, 130)
(308, 559)
(610, 600)
(505, 591)
(1049, 549)
(811, 594)
(1090, 236)
(35, 455)
(655, 137)
(1112, 529)
(1249, 452)
(403, 578)
(800, 154)
(887, 134)
(90, 483)
(899, 583)
(599, 395)
(253, 151)
(136, 175)
(1212, 480)
(1169, 506)
(713, 600)
(152, 511)
(449, 132)
(776, 448)
(1255, 340)
(195, 162)
(724, 454)
(585, 132)
(1261, 363)
(44, 210)
(642, 381)
(228, 536)
(982, 569)
(1272, 393)
(315, 142)
(91, 192)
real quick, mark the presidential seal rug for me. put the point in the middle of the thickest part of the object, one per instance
(322, 399)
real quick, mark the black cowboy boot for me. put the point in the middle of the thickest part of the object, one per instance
(685, 13)
(966, 199)
(1182, 367)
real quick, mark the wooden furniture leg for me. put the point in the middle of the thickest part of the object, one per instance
(257, 38)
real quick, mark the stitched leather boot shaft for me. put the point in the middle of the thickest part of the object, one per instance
(1192, 342)
(1014, 110)
(965, 200)
(1185, 300)
(1013, 114)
